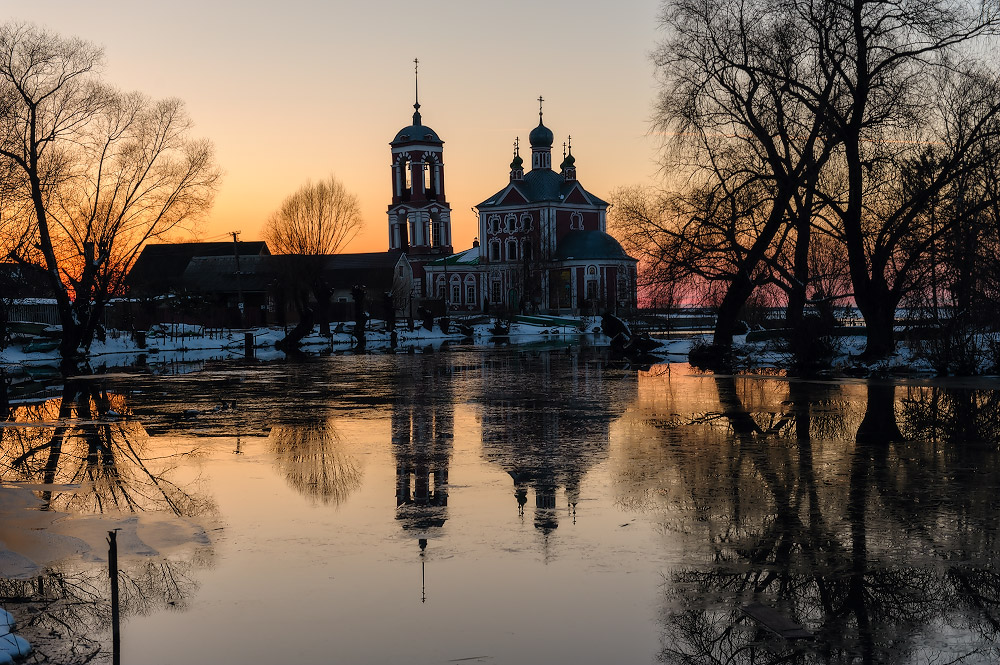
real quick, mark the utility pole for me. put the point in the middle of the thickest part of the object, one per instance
(239, 284)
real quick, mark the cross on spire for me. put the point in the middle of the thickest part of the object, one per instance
(540, 100)
(416, 83)
(416, 92)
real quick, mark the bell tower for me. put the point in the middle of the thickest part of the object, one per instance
(419, 214)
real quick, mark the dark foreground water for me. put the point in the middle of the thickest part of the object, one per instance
(502, 507)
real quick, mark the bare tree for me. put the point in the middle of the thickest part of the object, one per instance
(740, 85)
(803, 115)
(320, 218)
(917, 99)
(96, 173)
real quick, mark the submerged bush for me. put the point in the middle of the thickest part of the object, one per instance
(813, 345)
(956, 347)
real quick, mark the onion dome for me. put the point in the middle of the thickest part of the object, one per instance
(541, 136)
(517, 164)
(568, 162)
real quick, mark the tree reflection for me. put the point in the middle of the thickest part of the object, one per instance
(88, 439)
(66, 612)
(312, 458)
(882, 550)
(90, 457)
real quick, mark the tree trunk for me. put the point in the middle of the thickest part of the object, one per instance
(800, 271)
(291, 341)
(729, 310)
(878, 307)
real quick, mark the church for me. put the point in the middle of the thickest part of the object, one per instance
(544, 248)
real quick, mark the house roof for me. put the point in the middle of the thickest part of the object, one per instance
(376, 270)
(542, 185)
(217, 274)
(160, 266)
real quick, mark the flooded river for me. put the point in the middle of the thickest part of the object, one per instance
(503, 506)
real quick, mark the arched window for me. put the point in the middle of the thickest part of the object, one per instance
(493, 226)
(576, 221)
(512, 250)
(509, 222)
(593, 284)
(494, 250)
(437, 231)
(470, 290)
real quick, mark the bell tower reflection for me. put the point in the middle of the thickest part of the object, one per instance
(422, 436)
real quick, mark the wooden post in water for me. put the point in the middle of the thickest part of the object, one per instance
(116, 639)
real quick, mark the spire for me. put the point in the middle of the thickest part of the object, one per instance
(517, 164)
(540, 139)
(568, 166)
(416, 92)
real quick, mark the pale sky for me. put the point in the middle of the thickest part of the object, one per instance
(296, 90)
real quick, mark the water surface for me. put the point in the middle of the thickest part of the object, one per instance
(503, 506)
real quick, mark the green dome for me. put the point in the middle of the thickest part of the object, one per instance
(416, 132)
(568, 162)
(541, 136)
(517, 164)
(579, 245)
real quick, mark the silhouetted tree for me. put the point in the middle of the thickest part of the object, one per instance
(96, 173)
(320, 218)
(788, 118)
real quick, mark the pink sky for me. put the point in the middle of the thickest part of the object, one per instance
(297, 90)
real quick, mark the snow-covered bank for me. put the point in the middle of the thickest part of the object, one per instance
(192, 343)
(184, 345)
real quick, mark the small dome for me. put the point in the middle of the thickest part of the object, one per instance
(541, 136)
(416, 132)
(568, 162)
(517, 164)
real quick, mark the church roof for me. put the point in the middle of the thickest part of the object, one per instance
(469, 257)
(577, 245)
(542, 185)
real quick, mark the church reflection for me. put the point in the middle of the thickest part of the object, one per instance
(546, 420)
(423, 432)
(881, 545)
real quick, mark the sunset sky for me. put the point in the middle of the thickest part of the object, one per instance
(295, 90)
